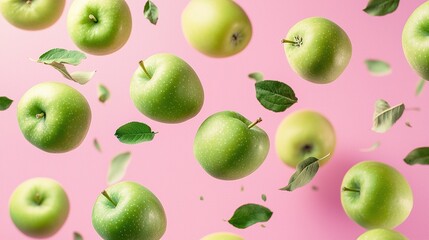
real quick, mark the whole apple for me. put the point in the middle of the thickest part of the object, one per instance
(222, 236)
(218, 28)
(126, 211)
(32, 14)
(414, 41)
(166, 89)
(39, 207)
(382, 234)
(99, 27)
(54, 117)
(304, 134)
(317, 49)
(375, 195)
(229, 147)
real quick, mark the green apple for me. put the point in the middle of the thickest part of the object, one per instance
(32, 14)
(230, 147)
(375, 195)
(126, 211)
(317, 49)
(222, 236)
(414, 40)
(99, 27)
(218, 28)
(166, 89)
(39, 207)
(304, 134)
(54, 117)
(382, 234)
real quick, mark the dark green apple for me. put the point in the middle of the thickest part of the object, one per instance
(128, 211)
(39, 207)
(54, 117)
(166, 89)
(317, 49)
(375, 195)
(229, 147)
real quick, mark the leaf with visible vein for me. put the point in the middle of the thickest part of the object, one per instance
(385, 116)
(59, 55)
(418, 156)
(134, 132)
(250, 214)
(5, 103)
(305, 172)
(118, 167)
(381, 7)
(151, 12)
(274, 95)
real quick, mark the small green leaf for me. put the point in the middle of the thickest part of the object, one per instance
(79, 77)
(118, 167)
(5, 103)
(373, 147)
(420, 86)
(59, 55)
(377, 67)
(249, 214)
(305, 172)
(274, 95)
(257, 76)
(77, 236)
(381, 7)
(264, 197)
(97, 145)
(418, 156)
(385, 116)
(151, 12)
(134, 132)
(103, 93)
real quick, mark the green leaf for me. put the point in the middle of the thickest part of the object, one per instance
(264, 197)
(134, 132)
(97, 145)
(118, 167)
(373, 147)
(420, 86)
(377, 67)
(305, 172)
(385, 116)
(274, 95)
(418, 156)
(257, 76)
(77, 236)
(151, 12)
(5, 103)
(249, 214)
(59, 55)
(79, 77)
(103, 93)
(381, 7)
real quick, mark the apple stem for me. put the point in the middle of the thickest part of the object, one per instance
(40, 115)
(108, 197)
(37, 199)
(93, 18)
(255, 122)
(350, 189)
(144, 68)
(289, 41)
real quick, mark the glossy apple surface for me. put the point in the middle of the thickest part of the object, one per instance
(218, 28)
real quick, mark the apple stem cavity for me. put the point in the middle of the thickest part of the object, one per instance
(28, 2)
(350, 189)
(297, 41)
(255, 122)
(37, 199)
(108, 198)
(144, 69)
(93, 18)
(40, 115)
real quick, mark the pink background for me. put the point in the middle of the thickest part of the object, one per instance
(167, 166)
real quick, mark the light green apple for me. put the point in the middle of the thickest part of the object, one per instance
(222, 236)
(317, 49)
(32, 14)
(375, 195)
(218, 28)
(303, 134)
(414, 40)
(39, 207)
(126, 211)
(99, 27)
(230, 147)
(54, 117)
(166, 89)
(382, 234)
